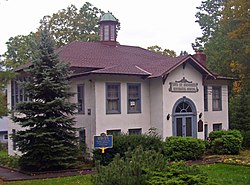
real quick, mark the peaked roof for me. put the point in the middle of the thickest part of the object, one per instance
(100, 58)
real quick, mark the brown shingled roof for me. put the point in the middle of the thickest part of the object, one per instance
(118, 59)
(99, 58)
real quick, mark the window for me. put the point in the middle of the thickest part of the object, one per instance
(205, 99)
(113, 98)
(5, 136)
(112, 32)
(134, 98)
(216, 98)
(14, 143)
(136, 131)
(18, 93)
(217, 126)
(80, 99)
(82, 140)
(114, 132)
(106, 32)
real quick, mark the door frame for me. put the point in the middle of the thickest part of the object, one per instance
(183, 115)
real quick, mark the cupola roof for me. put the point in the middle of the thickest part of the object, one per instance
(108, 17)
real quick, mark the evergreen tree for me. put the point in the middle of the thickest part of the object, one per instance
(48, 140)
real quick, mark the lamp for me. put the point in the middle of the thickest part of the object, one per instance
(168, 116)
(200, 115)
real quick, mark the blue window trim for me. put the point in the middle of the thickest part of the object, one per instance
(214, 88)
(139, 98)
(118, 111)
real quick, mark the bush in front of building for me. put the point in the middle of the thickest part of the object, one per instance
(246, 139)
(122, 143)
(147, 167)
(226, 142)
(180, 148)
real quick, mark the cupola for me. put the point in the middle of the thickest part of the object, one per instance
(108, 28)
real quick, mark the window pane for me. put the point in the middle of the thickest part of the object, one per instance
(179, 126)
(106, 32)
(134, 98)
(135, 131)
(205, 98)
(188, 126)
(216, 98)
(80, 99)
(114, 132)
(112, 32)
(217, 126)
(113, 98)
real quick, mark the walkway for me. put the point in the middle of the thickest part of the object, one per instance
(13, 175)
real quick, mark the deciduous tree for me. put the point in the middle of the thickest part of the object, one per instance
(158, 49)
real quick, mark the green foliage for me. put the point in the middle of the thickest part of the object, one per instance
(132, 169)
(246, 139)
(3, 105)
(226, 142)
(9, 161)
(179, 174)
(179, 148)
(71, 24)
(158, 49)
(123, 142)
(239, 107)
(140, 167)
(48, 140)
(219, 133)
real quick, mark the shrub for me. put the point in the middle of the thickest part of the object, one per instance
(140, 167)
(219, 133)
(179, 148)
(226, 142)
(132, 169)
(246, 139)
(123, 142)
(9, 161)
(179, 173)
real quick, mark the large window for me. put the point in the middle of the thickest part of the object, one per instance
(216, 98)
(18, 93)
(134, 98)
(80, 99)
(113, 98)
(205, 98)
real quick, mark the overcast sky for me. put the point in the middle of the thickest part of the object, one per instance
(167, 23)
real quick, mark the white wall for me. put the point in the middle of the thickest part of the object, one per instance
(170, 98)
(85, 121)
(211, 117)
(156, 104)
(124, 120)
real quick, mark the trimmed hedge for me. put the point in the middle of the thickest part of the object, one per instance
(226, 142)
(122, 143)
(179, 148)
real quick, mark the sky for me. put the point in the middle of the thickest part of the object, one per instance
(169, 24)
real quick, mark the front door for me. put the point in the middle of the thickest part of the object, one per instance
(184, 126)
(184, 122)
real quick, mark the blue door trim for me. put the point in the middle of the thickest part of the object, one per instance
(183, 115)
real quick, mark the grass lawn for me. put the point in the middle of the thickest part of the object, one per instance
(227, 174)
(83, 180)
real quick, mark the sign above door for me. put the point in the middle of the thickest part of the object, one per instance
(183, 85)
